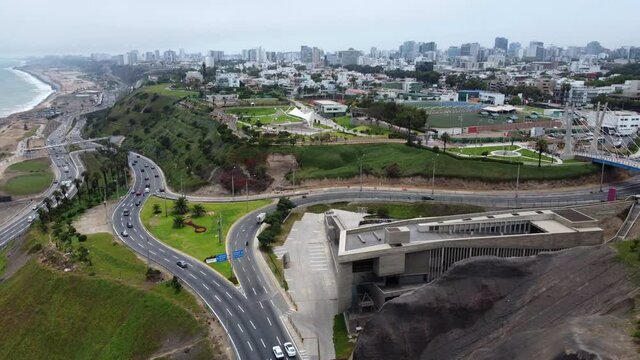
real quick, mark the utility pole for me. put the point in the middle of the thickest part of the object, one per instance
(433, 174)
(233, 189)
(220, 229)
(517, 184)
(361, 157)
(246, 191)
(602, 176)
(166, 214)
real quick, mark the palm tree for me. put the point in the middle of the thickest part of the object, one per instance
(47, 203)
(63, 189)
(197, 210)
(445, 138)
(156, 209)
(541, 146)
(57, 195)
(180, 206)
(78, 183)
(178, 221)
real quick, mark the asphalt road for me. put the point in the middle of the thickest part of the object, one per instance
(250, 320)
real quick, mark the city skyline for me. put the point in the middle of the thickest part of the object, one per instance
(72, 27)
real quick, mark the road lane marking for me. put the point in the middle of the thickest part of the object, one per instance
(229, 295)
(152, 252)
(254, 291)
(277, 338)
(190, 274)
(265, 289)
(217, 298)
(248, 343)
(229, 311)
(202, 273)
(165, 259)
(205, 286)
(240, 307)
(242, 331)
(251, 322)
(260, 302)
(272, 303)
(161, 249)
(215, 282)
(269, 320)
(243, 270)
(263, 344)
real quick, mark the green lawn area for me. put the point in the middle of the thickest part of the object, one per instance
(345, 121)
(341, 343)
(400, 210)
(527, 155)
(265, 114)
(105, 311)
(28, 177)
(163, 89)
(342, 161)
(198, 245)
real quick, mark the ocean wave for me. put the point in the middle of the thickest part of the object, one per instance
(43, 91)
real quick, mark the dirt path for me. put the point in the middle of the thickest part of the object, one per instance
(94, 220)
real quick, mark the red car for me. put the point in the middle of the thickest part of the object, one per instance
(138, 193)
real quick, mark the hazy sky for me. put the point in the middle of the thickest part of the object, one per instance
(37, 27)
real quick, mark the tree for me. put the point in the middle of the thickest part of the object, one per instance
(156, 209)
(197, 210)
(82, 238)
(175, 284)
(178, 221)
(181, 206)
(541, 146)
(83, 255)
(393, 171)
(445, 137)
(63, 188)
(57, 195)
(47, 202)
(284, 205)
(77, 183)
(516, 101)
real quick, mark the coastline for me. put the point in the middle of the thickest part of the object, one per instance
(38, 80)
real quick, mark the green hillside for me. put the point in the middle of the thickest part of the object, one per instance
(166, 125)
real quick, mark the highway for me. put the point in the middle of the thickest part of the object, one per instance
(251, 322)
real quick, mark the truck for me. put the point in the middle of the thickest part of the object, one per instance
(260, 218)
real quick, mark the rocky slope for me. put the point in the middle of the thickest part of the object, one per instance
(571, 305)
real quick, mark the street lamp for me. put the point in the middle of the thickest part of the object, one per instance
(602, 176)
(517, 184)
(433, 174)
(361, 157)
(233, 189)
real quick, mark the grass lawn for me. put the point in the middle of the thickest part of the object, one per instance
(342, 161)
(28, 177)
(92, 313)
(477, 151)
(527, 155)
(341, 343)
(265, 115)
(401, 210)
(163, 89)
(255, 111)
(198, 245)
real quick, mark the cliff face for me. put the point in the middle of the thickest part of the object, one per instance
(571, 305)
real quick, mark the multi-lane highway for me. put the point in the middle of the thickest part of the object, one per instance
(250, 319)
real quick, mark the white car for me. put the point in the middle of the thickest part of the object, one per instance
(30, 219)
(290, 349)
(277, 351)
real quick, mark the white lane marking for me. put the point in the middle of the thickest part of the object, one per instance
(229, 311)
(243, 270)
(248, 343)
(202, 273)
(261, 305)
(154, 254)
(140, 245)
(240, 307)
(229, 295)
(277, 338)
(165, 259)
(272, 303)
(270, 324)
(265, 289)
(263, 344)
(161, 249)
(254, 327)
(190, 274)
(175, 257)
(205, 286)
(217, 298)
(215, 282)
(254, 269)
(254, 291)
(240, 327)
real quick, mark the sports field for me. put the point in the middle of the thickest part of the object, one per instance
(265, 115)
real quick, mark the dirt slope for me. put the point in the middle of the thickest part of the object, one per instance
(571, 305)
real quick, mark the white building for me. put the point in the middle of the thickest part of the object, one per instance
(193, 76)
(330, 108)
(624, 122)
(209, 61)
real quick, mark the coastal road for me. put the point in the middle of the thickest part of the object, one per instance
(251, 323)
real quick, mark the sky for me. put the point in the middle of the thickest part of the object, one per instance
(40, 27)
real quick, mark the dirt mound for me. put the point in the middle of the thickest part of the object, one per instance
(570, 305)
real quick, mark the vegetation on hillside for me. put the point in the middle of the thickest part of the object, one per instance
(27, 177)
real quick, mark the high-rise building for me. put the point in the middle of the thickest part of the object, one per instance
(514, 49)
(428, 46)
(374, 52)
(453, 51)
(470, 49)
(409, 50)
(306, 54)
(594, 48)
(317, 56)
(349, 57)
(535, 51)
(169, 56)
(502, 44)
(182, 55)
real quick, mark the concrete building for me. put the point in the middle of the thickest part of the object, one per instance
(329, 108)
(535, 51)
(485, 97)
(471, 50)
(502, 44)
(349, 57)
(624, 122)
(380, 262)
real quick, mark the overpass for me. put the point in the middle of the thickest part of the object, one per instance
(68, 143)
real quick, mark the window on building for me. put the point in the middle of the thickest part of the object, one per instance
(362, 266)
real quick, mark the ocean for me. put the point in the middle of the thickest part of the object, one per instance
(19, 91)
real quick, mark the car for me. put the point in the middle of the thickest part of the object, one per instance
(155, 175)
(138, 156)
(129, 225)
(138, 203)
(141, 170)
(146, 178)
(289, 349)
(125, 212)
(182, 264)
(161, 189)
(138, 193)
(133, 191)
(153, 168)
(146, 190)
(125, 233)
(427, 197)
(30, 219)
(146, 165)
(277, 351)
(55, 181)
(35, 207)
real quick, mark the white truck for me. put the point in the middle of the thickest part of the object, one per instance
(260, 218)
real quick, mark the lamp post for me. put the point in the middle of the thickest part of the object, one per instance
(517, 184)
(361, 157)
(433, 174)
(233, 189)
(601, 176)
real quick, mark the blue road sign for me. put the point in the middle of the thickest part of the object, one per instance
(238, 253)
(221, 258)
